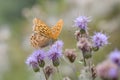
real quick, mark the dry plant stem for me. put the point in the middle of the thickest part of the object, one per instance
(46, 78)
(60, 77)
(91, 62)
(84, 60)
(90, 65)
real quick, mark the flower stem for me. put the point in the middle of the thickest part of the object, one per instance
(84, 60)
(46, 78)
(60, 77)
(40, 77)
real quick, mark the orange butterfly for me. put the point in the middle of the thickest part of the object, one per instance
(44, 35)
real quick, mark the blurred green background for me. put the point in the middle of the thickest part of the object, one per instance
(16, 26)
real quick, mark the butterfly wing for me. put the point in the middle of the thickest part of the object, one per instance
(39, 41)
(43, 35)
(56, 29)
(41, 28)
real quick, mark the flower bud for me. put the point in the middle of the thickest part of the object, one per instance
(84, 45)
(41, 63)
(56, 62)
(48, 71)
(82, 31)
(35, 67)
(70, 54)
(95, 48)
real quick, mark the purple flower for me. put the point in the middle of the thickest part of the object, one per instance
(55, 50)
(39, 54)
(32, 62)
(113, 73)
(82, 22)
(115, 56)
(99, 39)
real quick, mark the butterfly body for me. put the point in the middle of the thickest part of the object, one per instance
(44, 35)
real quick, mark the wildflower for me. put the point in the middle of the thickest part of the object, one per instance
(70, 54)
(107, 70)
(99, 39)
(113, 73)
(115, 56)
(32, 62)
(40, 55)
(82, 22)
(55, 52)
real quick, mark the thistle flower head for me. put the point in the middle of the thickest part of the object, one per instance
(32, 62)
(115, 56)
(55, 50)
(39, 54)
(82, 22)
(107, 70)
(99, 39)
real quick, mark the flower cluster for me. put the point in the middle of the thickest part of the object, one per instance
(85, 44)
(109, 69)
(36, 59)
(88, 45)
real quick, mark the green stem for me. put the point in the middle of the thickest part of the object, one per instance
(60, 77)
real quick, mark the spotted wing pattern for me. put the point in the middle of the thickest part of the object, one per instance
(43, 35)
(41, 28)
(57, 29)
(38, 41)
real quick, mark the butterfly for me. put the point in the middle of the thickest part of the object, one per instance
(44, 35)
